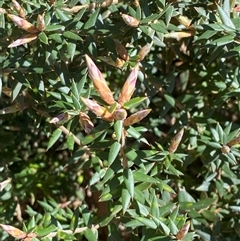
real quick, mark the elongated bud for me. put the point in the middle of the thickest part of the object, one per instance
(40, 22)
(183, 231)
(19, 9)
(4, 183)
(176, 141)
(15, 232)
(130, 21)
(10, 109)
(128, 87)
(23, 24)
(120, 114)
(97, 109)
(99, 82)
(85, 122)
(121, 50)
(136, 117)
(60, 119)
(23, 40)
(179, 35)
(184, 21)
(144, 51)
(234, 142)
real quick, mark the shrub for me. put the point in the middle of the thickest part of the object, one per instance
(119, 120)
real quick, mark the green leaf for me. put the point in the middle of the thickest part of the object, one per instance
(54, 137)
(72, 36)
(161, 28)
(134, 102)
(140, 177)
(43, 38)
(16, 90)
(129, 181)
(52, 28)
(147, 222)
(113, 152)
(86, 215)
(154, 208)
(74, 219)
(169, 13)
(126, 198)
(70, 142)
(224, 40)
(71, 47)
(62, 15)
(225, 17)
(118, 128)
(169, 99)
(65, 236)
(92, 20)
(45, 231)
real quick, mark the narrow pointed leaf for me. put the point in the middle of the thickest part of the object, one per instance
(118, 128)
(113, 152)
(129, 181)
(126, 198)
(134, 102)
(146, 221)
(54, 137)
(225, 18)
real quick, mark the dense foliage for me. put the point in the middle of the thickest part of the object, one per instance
(119, 120)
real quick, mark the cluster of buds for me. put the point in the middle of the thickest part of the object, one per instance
(115, 110)
(22, 23)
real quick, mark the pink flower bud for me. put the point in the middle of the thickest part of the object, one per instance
(130, 21)
(40, 22)
(97, 109)
(10, 109)
(128, 87)
(99, 82)
(176, 141)
(15, 232)
(23, 40)
(136, 117)
(225, 149)
(234, 142)
(120, 114)
(19, 9)
(144, 51)
(23, 24)
(60, 119)
(121, 50)
(85, 122)
(183, 231)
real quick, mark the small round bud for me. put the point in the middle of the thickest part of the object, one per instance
(120, 114)
(225, 149)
